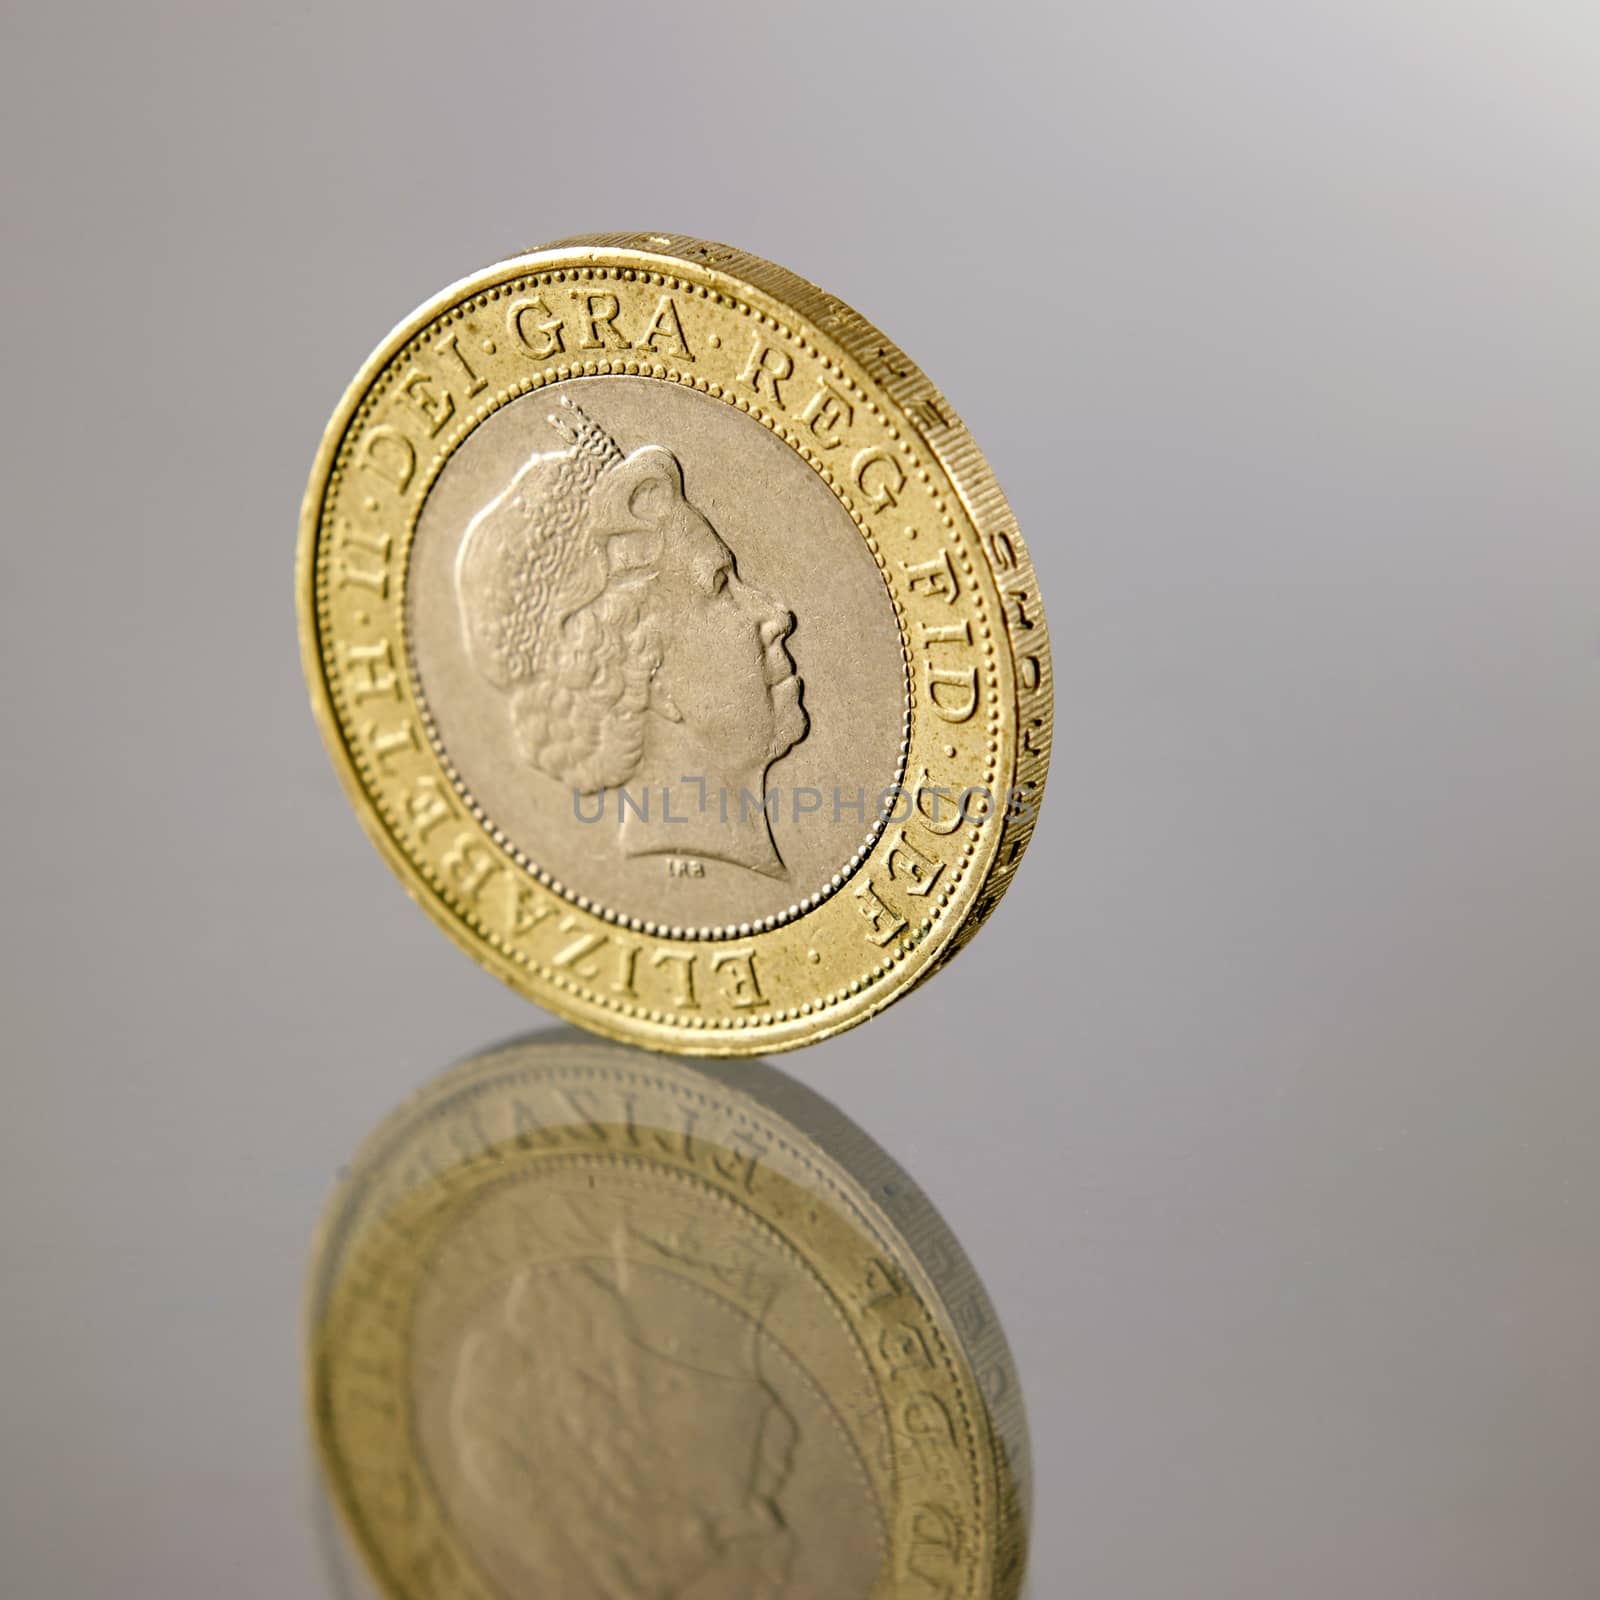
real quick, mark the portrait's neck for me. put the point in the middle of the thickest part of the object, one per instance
(718, 816)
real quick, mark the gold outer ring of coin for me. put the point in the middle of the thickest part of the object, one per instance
(949, 831)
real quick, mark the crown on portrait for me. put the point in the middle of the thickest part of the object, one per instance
(596, 449)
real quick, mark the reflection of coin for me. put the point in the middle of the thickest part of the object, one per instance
(586, 1321)
(612, 1415)
(674, 643)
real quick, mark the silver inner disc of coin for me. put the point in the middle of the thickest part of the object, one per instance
(657, 654)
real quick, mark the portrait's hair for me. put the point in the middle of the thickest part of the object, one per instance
(552, 582)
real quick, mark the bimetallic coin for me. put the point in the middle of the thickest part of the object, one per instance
(675, 643)
(591, 1323)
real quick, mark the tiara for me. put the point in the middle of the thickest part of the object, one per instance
(595, 448)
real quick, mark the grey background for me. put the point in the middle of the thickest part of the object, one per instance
(1267, 1106)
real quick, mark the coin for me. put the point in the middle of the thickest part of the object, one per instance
(590, 1322)
(674, 643)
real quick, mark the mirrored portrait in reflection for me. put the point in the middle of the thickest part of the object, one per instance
(602, 1325)
(614, 1439)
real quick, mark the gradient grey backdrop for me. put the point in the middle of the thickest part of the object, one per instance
(1268, 1104)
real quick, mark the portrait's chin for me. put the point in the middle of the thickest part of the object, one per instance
(790, 724)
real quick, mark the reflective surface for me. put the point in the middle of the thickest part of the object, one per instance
(590, 1321)
(1267, 1104)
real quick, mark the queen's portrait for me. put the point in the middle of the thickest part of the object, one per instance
(611, 615)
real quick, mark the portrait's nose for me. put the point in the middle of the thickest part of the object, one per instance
(775, 626)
